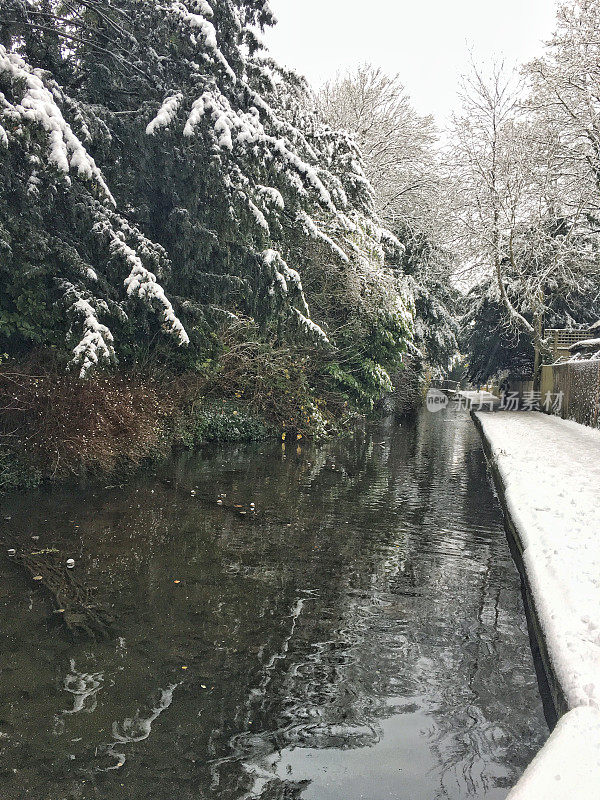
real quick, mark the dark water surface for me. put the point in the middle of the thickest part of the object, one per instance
(361, 635)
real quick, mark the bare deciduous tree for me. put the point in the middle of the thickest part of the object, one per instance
(566, 90)
(519, 215)
(397, 143)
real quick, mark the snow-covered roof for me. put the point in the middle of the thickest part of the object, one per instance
(586, 349)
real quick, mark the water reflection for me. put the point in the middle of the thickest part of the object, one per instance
(360, 634)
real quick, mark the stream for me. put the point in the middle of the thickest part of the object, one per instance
(358, 632)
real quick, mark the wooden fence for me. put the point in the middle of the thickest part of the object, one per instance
(579, 383)
(561, 339)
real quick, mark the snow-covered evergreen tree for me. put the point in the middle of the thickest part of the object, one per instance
(160, 171)
(401, 162)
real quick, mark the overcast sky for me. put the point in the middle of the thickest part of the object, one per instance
(426, 42)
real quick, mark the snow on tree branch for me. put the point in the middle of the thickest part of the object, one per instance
(286, 283)
(37, 105)
(256, 181)
(309, 327)
(96, 346)
(313, 230)
(200, 21)
(245, 130)
(206, 28)
(166, 113)
(140, 281)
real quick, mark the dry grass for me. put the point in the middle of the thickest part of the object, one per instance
(62, 426)
(273, 380)
(66, 426)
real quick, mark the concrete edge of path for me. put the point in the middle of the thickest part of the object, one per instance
(558, 697)
(568, 765)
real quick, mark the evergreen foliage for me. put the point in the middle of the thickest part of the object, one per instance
(428, 267)
(161, 176)
(496, 349)
(402, 165)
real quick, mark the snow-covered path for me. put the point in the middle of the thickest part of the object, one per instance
(481, 399)
(550, 470)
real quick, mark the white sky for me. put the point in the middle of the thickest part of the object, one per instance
(426, 42)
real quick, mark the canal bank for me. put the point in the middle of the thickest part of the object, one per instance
(547, 472)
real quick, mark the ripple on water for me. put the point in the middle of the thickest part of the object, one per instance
(360, 635)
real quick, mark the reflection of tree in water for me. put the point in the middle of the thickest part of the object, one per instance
(430, 614)
(373, 580)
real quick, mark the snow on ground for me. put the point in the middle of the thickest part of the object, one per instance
(568, 766)
(481, 399)
(551, 473)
